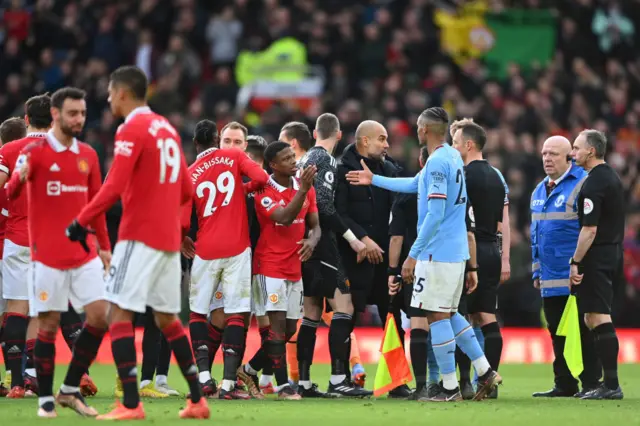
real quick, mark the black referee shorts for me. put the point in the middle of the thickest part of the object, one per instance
(323, 273)
(485, 297)
(599, 266)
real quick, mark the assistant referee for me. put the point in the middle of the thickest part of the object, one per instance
(597, 255)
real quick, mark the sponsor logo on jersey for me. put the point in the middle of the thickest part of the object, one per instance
(123, 148)
(55, 188)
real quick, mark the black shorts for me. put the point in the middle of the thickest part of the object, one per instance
(599, 266)
(407, 294)
(323, 273)
(485, 297)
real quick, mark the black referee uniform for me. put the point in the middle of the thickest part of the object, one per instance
(486, 193)
(404, 223)
(601, 204)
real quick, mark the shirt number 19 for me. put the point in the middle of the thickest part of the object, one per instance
(169, 157)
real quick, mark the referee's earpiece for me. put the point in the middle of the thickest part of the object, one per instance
(569, 158)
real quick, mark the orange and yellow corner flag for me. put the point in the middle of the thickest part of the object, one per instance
(393, 368)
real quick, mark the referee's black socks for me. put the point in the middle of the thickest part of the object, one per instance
(607, 347)
(418, 350)
(492, 344)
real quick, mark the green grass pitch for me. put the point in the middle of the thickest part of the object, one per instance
(515, 406)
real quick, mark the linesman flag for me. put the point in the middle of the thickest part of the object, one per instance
(570, 328)
(393, 368)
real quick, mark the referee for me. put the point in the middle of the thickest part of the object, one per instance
(486, 192)
(597, 256)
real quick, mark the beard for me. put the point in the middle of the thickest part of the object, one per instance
(69, 131)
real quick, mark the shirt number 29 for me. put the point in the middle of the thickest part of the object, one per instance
(169, 157)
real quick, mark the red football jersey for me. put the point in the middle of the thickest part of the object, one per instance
(223, 228)
(276, 254)
(61, 182)
(149, 173)
(17, 227)
(3, 217)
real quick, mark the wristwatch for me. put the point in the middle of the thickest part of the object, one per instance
(472, 268)
(573, 262)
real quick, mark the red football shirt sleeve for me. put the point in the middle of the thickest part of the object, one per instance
(265, 204)
(5, 156)
(185, 220)
(127, 150)
(14, 186)
(254, 172)
(311, 198)
(187, 186)
(100, 222)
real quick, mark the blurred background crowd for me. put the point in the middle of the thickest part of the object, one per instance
(523, 69)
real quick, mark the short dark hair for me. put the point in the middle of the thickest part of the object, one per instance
(38, 111)
(327, 125)
(476, 133)
(12, 129)
(133, 78)
(597, 140)
(256, 146)
(234, 125)
(60, 95)
(272, 151)
(300, 132)
(434, 115)
(424, 155)
(206, 133)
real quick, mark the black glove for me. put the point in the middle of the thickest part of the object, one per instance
(77, 232)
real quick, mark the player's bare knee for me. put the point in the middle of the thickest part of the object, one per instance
(18, 307)
(117, 314)
(437, 316)
(164, 320)
(97, 314)
(49, 321)
(483, 318)
(278, 321)
(217, 318)
(312, 308)
(343, 303)
(419, 323)
(263, 321)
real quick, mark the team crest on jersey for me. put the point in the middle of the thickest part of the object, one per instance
(273, 298)
(218, 295)
(43, 296)
(559, 201)
(83, 165)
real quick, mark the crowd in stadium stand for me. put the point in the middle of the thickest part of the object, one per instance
(383, 60)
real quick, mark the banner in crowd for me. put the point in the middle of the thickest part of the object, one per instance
(525, 37)
(521, 346)
(520, 36)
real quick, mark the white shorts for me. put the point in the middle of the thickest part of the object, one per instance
(221, 283)
(52, 289)
(141, 276)
(277, 295)
(15, 271)
(3, 303)
(437, 286)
